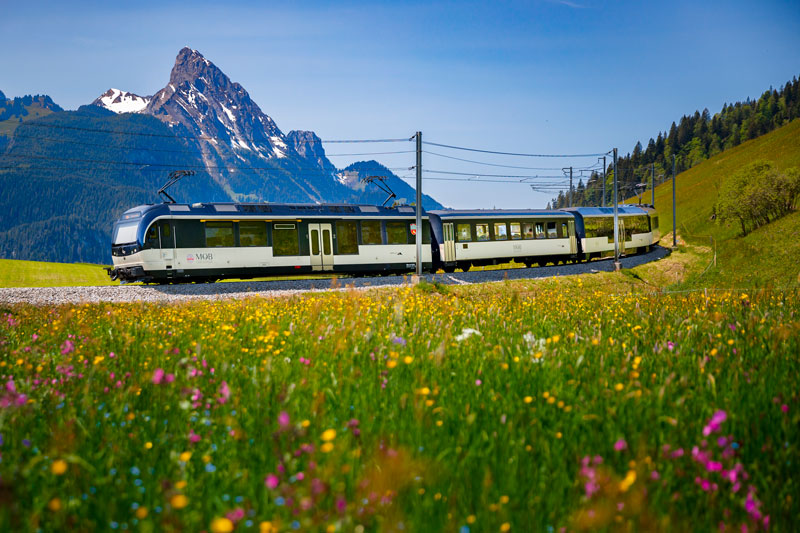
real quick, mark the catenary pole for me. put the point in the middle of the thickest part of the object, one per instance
(674, 224)
(570, 186)
(603, 201)
(653, 186)
(616, 216)
(419, 203)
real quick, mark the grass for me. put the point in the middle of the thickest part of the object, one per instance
(15, 273)
(35, 111)
(766, 257)
(589, 402)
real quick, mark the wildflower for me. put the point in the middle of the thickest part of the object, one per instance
(714, 423)
(185, 456)
(626, 483)
(467, 333)
(221, 525)
(67, 347)
(326, 448)
(179, 501)
(408, 360)
(54, 505)
(224, 392)
(478, 382)
(158, 376)
(141, 513)
(505, 527)
(283, 420)
(271, 481)
(58, 467)
(620, 445)
(399, 340)
(328, 435)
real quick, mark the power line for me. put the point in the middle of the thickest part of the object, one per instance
(510, 153)
(486, 175)
(490, 164)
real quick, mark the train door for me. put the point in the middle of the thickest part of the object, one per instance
(449, 243)
(573, 241)
(320, 239)
(167, 236)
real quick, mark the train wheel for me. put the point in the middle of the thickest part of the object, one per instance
(465, 266)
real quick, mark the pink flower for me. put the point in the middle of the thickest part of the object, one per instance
(67, 347)
(714, 424)
(283, 420)
(478, 382)
(785, 409)
(158, 376)
(224, 392)
(271, 481)
(193, 437)
(620, 445)
(235, 515)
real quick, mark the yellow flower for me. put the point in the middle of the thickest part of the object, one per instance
(141, 513)
(528, 399)
(148, 445)
(327, 447)
(185, 456)
(58, 467)
(408, 359)
(391, 363)
(504, 499)
(179, 501)
(618, 387)
(267, 527)
(221, 525)
(180, 485)
(328, 435)
(471, 519)
(305, 423)
(626, 483)
(54, 504)
(505, 527)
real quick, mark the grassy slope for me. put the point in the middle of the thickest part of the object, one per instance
(15, 273)
(765, 256)
(35, 111)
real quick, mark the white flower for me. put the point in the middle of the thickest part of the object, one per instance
(466, 333)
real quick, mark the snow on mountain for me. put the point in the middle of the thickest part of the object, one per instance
(122, 101)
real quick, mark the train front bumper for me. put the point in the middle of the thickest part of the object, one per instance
(127, 274)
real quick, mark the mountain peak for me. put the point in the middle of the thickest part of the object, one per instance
(2, 97)
(121, 101)
(190, 65)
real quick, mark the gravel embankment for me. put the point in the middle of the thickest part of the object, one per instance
(243, 289)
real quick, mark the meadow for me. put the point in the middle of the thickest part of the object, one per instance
(598, 402)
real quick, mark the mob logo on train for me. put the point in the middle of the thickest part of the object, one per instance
(200, 257)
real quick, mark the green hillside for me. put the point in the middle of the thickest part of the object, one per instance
(767, 255)
(14, 273)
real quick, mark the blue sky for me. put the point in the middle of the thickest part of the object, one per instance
(541, 76)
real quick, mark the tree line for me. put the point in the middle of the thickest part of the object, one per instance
(693, 139)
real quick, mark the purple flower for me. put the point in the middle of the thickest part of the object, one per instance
(399, 340)
(158, 376)
(670, 345)
(283, 420)
(714, 424)
(620, 445)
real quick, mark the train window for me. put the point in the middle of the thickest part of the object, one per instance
(371, 232)
(527, 230)
(285, 240)
(516, 231)
(426, 232)
(500, 231)
(654, 222)
(464, 233)
(151, 238)
(397, 233)
(482, 232)
(252, 233)
(346, 237)
(564, 230)
(326, 242)
(218, 234)
(552, 232)
(540, 230)
(167, 240)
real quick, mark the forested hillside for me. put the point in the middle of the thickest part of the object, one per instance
(693, 139)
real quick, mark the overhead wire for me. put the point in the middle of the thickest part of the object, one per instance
(517, 154)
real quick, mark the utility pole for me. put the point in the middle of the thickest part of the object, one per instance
(674, 224)
(603, 203)
(419, 203)
(653, 185)
(617, 264)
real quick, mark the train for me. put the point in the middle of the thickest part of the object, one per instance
(207, 242)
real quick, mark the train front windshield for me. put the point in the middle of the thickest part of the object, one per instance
(125, 232)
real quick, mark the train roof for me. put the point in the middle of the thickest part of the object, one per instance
(261, 209)
(609, 211)
(498, 213)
